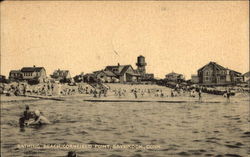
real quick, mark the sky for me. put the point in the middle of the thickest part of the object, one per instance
(179, 36)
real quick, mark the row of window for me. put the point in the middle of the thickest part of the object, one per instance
(27, 74)
(24, 74)
(218, 78)
(207, 73)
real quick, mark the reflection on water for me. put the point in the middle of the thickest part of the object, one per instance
(215, 129)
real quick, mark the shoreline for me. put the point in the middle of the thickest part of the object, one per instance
(207, 98)
(4, 98)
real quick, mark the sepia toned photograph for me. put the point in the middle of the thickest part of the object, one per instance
(124, 78)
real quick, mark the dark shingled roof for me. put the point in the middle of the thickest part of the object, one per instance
(219, 67)
(31, 69)
(108, 73)
(121, 69)
(215, 64)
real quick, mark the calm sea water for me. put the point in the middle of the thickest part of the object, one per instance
(185, 129)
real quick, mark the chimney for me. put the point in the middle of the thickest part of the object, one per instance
(118, 64)
(34, 66)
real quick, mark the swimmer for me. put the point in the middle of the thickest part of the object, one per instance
(39, 119)
(27, 114)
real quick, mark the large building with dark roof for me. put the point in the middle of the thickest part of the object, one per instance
(124, 73)
(34, 73)
(215, 74)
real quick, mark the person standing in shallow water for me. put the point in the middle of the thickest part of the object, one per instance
(200, 97)
(228, 95)
(27, 114)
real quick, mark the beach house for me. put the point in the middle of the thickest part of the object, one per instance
(215, 74)
(174, 77)
(15, 75)
(124, 73)
(34, 73)
(106, 76)
(61, 75)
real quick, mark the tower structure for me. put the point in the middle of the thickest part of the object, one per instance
(141, 65)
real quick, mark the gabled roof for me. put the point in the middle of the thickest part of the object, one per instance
(125, 68)
(219, 67)
(236, 72)
(31, 69)
(109, 73)
(121, 69)
(106, 72)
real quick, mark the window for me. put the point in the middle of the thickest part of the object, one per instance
(218, 79)
(207, 73)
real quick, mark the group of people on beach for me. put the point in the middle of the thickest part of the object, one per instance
(99, 92)
(44, 89)
(138, 92)
(159, 92)
(145, 92)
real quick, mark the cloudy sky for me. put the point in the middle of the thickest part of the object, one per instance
(87, 36)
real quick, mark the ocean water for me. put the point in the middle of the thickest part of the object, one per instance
(175, 129)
